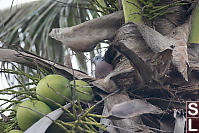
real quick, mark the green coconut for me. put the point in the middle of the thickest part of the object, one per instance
(31, 111)
(194, 33)
(84, 91)
(54, 87)
(15, 131)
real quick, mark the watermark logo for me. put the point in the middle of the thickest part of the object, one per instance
(192, 116)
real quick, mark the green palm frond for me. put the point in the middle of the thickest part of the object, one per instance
(34, 21)
(28, 27)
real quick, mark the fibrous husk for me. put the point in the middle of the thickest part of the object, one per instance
(176, 16)
(85, 36)
(143, 49)
(125, 125)
(132, 108)
(180, 55)
(193, 54)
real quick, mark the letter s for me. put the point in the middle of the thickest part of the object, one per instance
(193, 107)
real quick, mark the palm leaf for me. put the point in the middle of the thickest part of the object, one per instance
(29, 26)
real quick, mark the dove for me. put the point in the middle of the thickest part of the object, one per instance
(102, 68)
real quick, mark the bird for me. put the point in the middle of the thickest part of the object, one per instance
(102, 68)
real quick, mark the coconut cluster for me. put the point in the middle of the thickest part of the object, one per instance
(52, 91)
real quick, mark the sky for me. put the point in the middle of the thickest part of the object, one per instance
(3, 82)
(3, 5)
(7, 3)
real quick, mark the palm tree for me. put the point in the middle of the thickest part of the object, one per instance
(152, 48)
